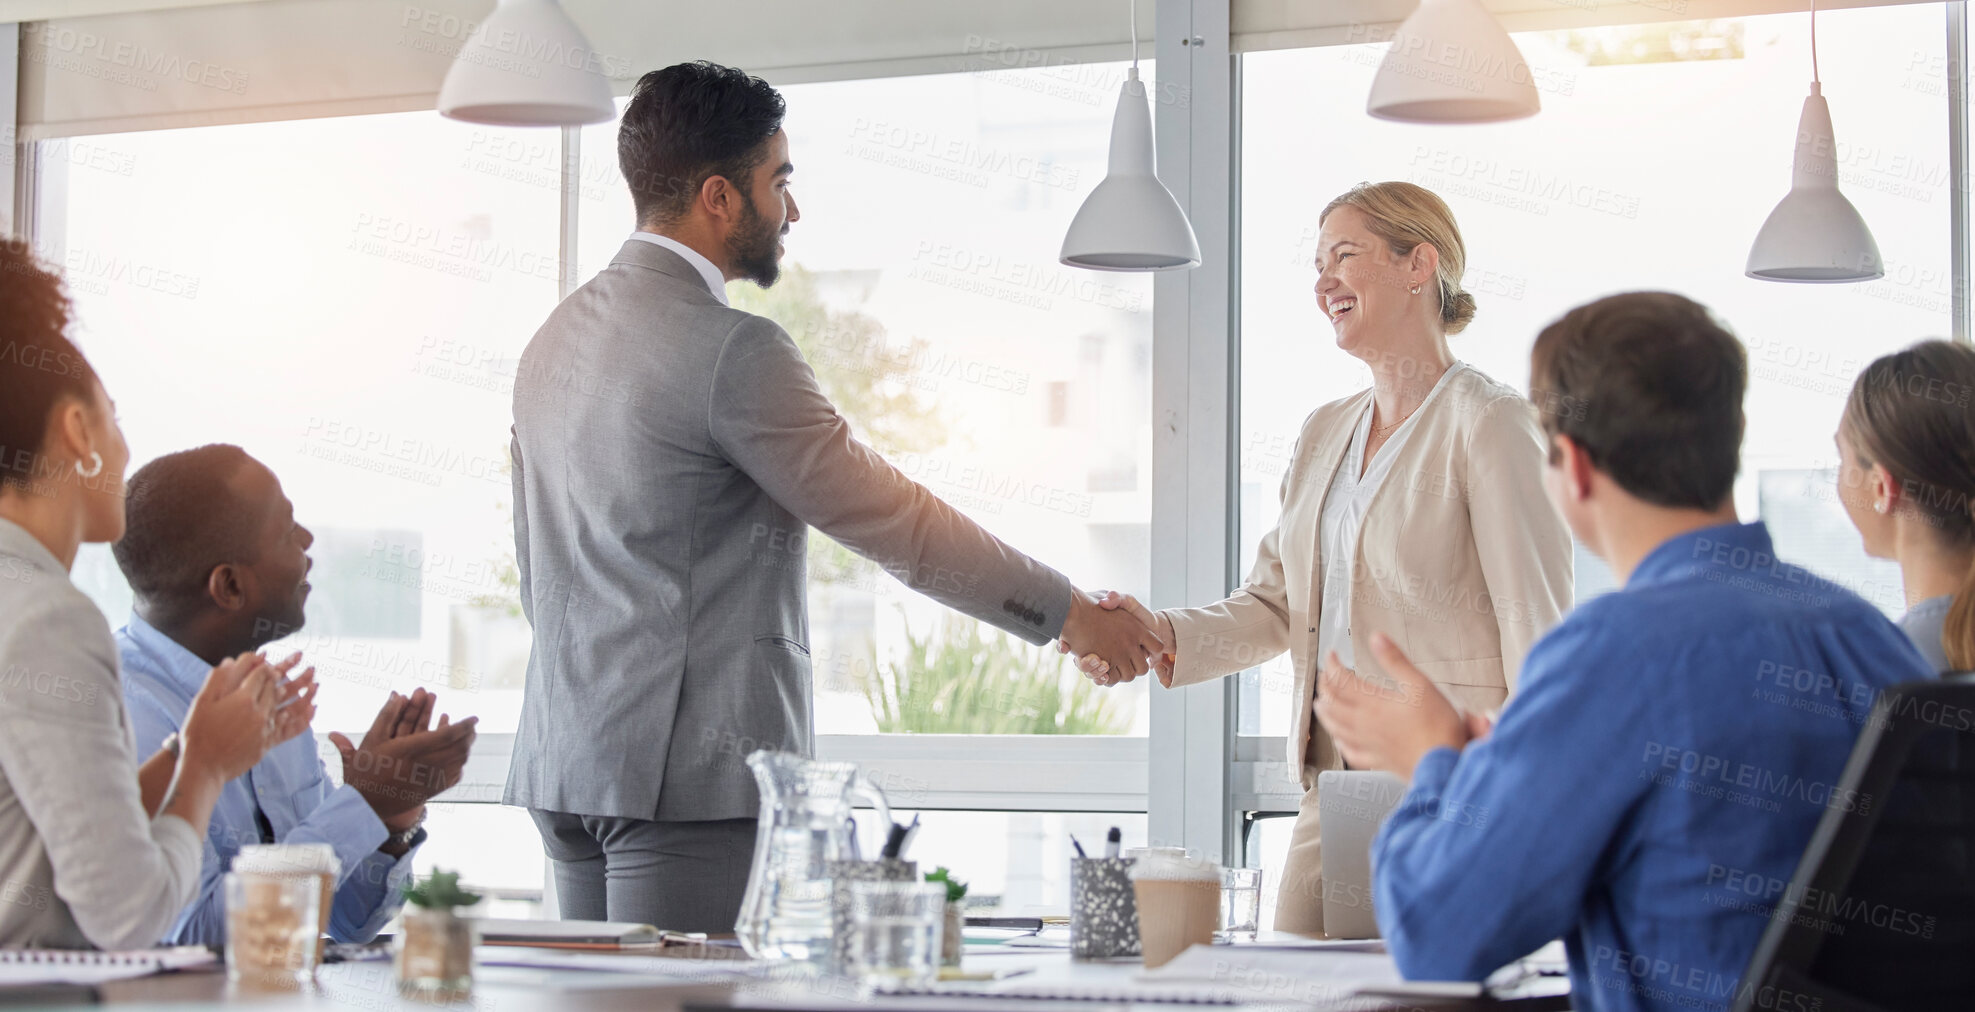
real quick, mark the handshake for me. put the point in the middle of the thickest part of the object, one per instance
(1117, 639)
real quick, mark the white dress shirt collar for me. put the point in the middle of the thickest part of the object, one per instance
(705, 267)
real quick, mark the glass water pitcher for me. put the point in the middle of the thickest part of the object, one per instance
(805, 823)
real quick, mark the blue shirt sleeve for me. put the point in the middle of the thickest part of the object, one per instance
(1492, 850)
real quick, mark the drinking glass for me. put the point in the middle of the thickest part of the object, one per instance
(1241, 904)
(895, 932)
(271, 929)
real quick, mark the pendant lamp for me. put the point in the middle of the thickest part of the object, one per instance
(1815, 235)
(1452, 62)
(1131, 221)
(526, 65)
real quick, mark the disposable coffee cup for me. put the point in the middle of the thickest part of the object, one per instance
(297, 860)
(1179, 904)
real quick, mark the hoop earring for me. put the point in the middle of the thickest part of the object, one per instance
(95, 465)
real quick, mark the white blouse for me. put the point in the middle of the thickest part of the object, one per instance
(1352, 489)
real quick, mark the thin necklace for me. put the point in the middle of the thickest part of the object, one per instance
(1383, 429)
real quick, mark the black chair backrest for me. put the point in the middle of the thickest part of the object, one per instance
(1880, 915)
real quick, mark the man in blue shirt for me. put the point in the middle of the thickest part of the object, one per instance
(1648, 792)
(219, 567)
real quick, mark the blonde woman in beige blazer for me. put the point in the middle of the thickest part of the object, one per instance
(1426, 490)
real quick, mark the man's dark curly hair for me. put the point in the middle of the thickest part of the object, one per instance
(687, 123)
(39, 367)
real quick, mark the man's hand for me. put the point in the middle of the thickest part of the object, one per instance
(1113, 645)
(1162, 662)
(401, 764)
(1384, 727)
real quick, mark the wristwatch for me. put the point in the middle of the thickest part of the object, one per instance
(409, 837)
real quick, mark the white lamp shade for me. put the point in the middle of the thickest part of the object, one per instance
(1131, 221)
(1451, 62)
(1815, 235)
(526, 65)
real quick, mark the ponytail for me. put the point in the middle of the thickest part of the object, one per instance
(1958, 632)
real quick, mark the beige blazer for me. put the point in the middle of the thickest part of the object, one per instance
(1462, 560)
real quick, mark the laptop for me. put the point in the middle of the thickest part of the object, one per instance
(1351, 805)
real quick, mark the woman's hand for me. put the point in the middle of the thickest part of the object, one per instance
(295, 708)
(232, 720)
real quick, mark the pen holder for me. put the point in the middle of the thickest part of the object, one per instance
(842, 874)
(1103, 908)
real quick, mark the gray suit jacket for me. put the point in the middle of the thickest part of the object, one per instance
(670, 454)
(81, 862)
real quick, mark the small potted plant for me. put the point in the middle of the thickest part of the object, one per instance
(952, 935)
(435, 943)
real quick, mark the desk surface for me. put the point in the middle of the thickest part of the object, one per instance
(372, 986)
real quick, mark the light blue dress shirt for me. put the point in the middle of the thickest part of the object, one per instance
(290, 785)
(1647, 794)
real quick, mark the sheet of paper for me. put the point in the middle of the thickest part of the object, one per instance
(1303, 974)
(681, 967)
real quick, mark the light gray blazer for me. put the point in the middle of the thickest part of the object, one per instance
(670, 454)
(81, 863)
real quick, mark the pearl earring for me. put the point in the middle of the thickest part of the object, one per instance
(1879, 507)
(1416, 289)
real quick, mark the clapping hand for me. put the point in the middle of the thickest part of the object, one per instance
(403, 760)
(295, 706)
(232, 720)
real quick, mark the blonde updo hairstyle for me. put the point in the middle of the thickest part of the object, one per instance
(1405, 215)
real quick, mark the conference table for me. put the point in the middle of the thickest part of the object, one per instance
(372, 986)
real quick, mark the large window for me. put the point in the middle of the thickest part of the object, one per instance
(1658, 154)
(353, 329)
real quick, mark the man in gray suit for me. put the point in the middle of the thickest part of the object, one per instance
(670, 454)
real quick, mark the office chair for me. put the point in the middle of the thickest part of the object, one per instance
(1880, 915)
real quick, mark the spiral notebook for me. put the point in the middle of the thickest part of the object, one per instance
(78, 966)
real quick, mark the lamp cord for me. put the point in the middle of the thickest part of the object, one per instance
(1134, 9)
(1813, 43)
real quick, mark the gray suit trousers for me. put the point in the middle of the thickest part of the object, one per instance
(677, 876)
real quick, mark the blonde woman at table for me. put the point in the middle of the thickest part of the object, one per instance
(83, 859)
(1414, 508)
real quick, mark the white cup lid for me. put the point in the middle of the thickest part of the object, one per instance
(1166, 865)
(288, 859)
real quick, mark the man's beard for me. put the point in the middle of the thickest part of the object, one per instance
(751, 248)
